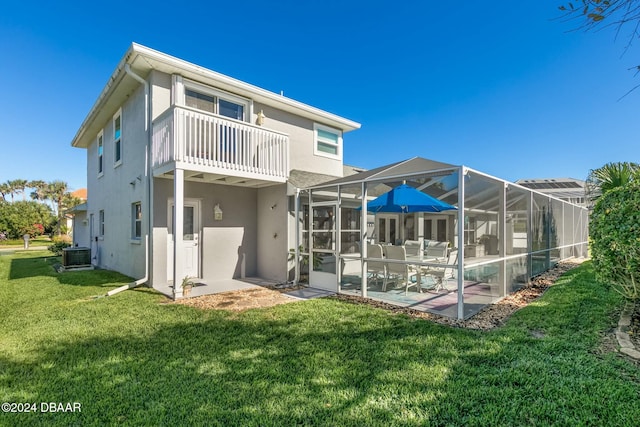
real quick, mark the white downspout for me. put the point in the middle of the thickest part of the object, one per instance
(139, 281)
(127, 69)
(145, 279)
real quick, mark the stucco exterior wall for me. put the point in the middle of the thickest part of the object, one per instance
(301, 141)
(228, 247)
(272, 232)
(80, 229)
(114, 193)
(160, 84)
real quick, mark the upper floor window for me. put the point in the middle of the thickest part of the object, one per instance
(100, 153)
(215, 102)
(199, 100)
(327, 142)
(117, 138)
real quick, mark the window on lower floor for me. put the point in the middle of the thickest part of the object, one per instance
(101, 224)
(136, 220)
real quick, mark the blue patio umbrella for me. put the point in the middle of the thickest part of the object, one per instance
(406, 199)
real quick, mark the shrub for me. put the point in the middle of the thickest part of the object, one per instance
(615, 239)
(59, 243)
(19, 218)
(37, 230)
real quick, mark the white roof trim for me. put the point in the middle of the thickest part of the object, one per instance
(188, 69)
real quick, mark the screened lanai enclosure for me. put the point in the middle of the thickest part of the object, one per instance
(478, 239)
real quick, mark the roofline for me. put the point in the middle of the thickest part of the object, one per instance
(136, 50)
(374, 177)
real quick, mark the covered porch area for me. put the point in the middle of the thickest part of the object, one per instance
(213, 231)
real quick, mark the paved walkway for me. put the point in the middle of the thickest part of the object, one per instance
(309, 293)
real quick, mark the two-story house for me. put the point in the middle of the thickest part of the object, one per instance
(190, 173)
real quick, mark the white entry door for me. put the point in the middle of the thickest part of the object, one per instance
(190, 250)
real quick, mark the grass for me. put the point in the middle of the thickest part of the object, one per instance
(132, 360)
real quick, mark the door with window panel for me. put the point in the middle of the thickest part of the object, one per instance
(323, 247)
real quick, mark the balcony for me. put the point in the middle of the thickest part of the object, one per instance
(218, 147)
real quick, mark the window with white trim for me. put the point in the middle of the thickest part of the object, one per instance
(100, 153)
(327, 142)
(117, 138)
(101, 224)
(216, 102)
(136, 221)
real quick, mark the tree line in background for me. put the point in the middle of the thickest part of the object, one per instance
(43, 214)
(614, 226)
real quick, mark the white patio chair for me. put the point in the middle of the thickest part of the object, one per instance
(440, 274)
(412, 248)
(398, 271)
(376, 269)
(437, 250)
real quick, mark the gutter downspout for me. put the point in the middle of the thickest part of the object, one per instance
(145, 279)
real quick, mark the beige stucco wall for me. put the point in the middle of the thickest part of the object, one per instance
(301, 141)
(113, 193)
(80, 229)
(228, 247)
(272, 232)
(160, 93)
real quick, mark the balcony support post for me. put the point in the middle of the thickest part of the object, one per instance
(178, 232)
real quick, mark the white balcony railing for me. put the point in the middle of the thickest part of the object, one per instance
(216, 144)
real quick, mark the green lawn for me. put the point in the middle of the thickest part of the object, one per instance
(131, 360)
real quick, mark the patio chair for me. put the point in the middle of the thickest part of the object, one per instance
(412, 248)
(440, 274)
(396, 270)
(376, 269)
(436, 250)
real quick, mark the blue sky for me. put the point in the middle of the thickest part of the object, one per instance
(502, 87)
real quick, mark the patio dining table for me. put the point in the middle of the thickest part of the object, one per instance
(421, 266)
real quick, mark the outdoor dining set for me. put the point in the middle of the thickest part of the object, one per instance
(412, 265)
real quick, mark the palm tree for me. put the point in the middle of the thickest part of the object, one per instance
(56, 191)
(39, 190)
(18, 186)
(610, 176)
(4, 190)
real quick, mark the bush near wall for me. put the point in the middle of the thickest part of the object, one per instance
(615, 239)
(59, 243)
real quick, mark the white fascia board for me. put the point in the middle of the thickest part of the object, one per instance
(248, 90)
(153, 59)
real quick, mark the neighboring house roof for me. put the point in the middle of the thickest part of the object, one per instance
(405, 167)
(351, 170)
(562, 188)
(142, 60)
(304, 179)
(82, 207)
(80, 194)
